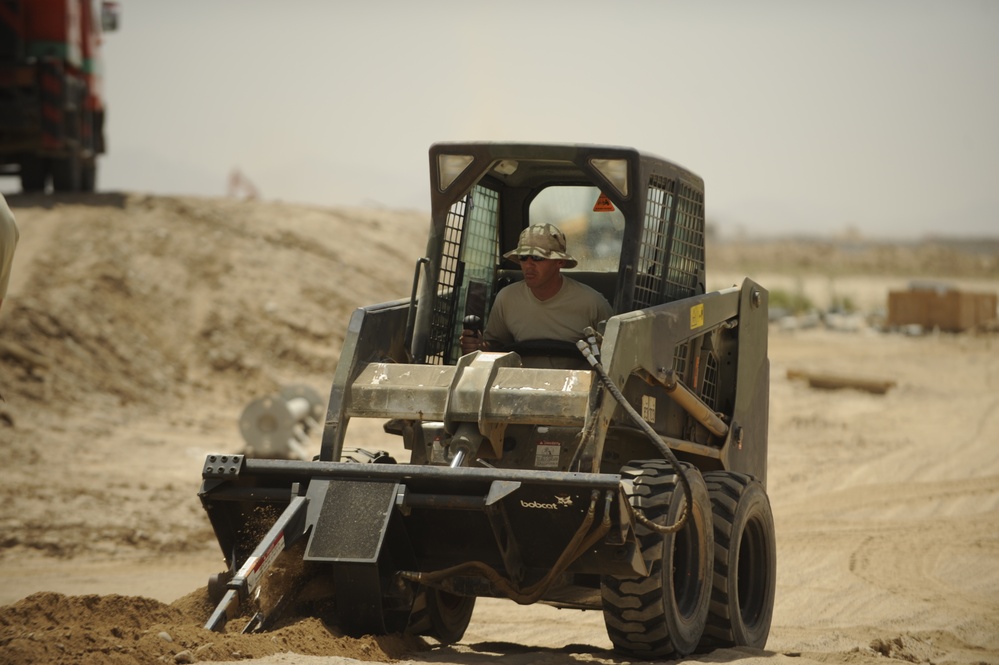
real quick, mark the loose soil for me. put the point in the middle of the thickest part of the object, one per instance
(137, 328)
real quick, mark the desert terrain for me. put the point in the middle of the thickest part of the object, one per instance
(136, 329)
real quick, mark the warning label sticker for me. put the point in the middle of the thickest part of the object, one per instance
(697, 316)
(603, 204)
(546, 455)
(649, 408)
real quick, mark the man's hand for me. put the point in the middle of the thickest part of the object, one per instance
(471, 340)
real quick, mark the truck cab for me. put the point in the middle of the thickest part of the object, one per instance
(52, 103)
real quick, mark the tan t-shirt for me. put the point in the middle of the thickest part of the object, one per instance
(8, 241)
(518, 316)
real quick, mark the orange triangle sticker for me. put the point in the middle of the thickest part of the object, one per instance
(603, 204)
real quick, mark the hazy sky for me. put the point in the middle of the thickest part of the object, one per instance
(800, 115)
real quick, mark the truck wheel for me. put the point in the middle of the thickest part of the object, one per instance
(34, 173)
(88, 175)
(66, 173)
(441, 615)
(663, 614)
(745, 577)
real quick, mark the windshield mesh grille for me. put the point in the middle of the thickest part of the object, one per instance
(470, 251)
(671, 250)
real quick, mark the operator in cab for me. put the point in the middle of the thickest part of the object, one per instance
(545, 305)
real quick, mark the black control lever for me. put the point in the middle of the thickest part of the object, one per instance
(472, 325)
(472, 322)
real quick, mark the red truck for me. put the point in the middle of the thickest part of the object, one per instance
(52, 105)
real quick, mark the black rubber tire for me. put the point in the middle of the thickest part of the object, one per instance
(664, 614)
(745, 579)
(441, 615)
(88, 175)
(67, 173)
(34, 174)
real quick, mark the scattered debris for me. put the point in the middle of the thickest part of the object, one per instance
(241, 187)
(826, 381)
(277, 426)
(938, 305)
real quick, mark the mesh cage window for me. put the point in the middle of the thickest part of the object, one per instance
(680, 354)
(686, 260)
(671, 249)
(479, 253)
(652, 248)
(709, 386)
(469, 251)
(447, 278)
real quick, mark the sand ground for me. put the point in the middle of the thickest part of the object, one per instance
(136, 329)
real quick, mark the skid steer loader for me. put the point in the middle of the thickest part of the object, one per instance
(633, 484)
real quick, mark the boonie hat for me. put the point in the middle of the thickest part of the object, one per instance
(544, 241)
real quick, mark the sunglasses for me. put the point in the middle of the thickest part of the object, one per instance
(529, 257)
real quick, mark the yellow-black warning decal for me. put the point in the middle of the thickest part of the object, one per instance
(697, 316)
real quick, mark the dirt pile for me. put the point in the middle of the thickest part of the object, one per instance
(121, 630)
(125, 311)
(134, 299)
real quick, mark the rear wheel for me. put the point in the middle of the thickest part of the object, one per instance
(88, 175)
(67, 173)
(34, 173)
(745, 562)
(441, 615)
(663, 614)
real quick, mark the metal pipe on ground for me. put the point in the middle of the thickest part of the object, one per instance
(277, 426)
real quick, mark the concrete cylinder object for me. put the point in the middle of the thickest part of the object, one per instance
(278, 426)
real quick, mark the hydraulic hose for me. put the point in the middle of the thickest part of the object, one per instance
(591, 358)
(576, 547)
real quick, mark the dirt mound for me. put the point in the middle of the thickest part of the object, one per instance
(137, 325)
(931, 258)
(121, 630)
(159, 296)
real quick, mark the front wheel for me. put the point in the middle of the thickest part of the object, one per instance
(663, 614)
(88, 175)
(34, 174)
(441, 615)
(67, 173)
(745, 562)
